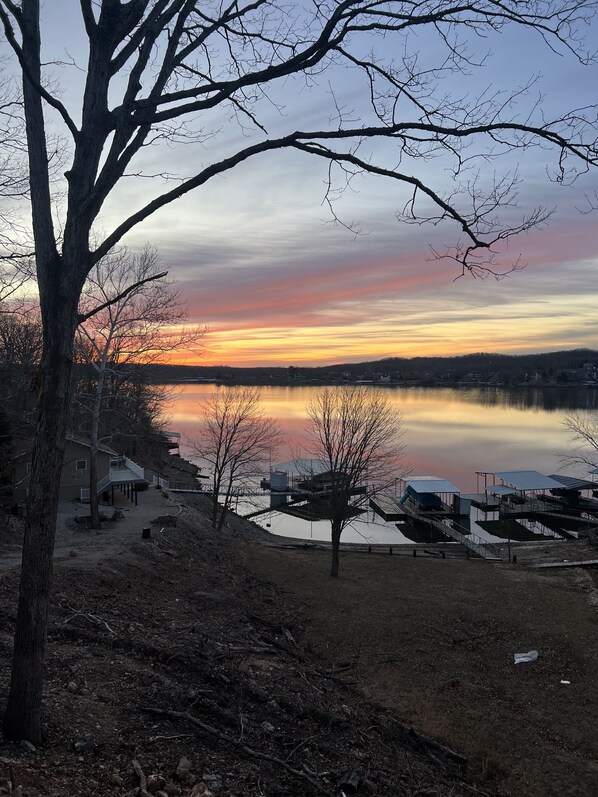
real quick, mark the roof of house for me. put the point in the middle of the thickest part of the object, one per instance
(27, 445)
(83, 441)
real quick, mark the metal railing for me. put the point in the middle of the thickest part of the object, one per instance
(477, 545)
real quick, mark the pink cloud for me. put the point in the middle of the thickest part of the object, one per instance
(307, 295)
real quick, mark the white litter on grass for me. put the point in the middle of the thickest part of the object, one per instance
(523, 658)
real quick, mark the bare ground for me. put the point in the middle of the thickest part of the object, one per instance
(433, 641)
(172, 668)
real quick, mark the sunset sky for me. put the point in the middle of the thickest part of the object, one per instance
(262, 264)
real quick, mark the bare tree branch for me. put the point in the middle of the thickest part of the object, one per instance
(119, 297)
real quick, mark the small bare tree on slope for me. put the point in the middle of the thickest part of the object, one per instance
(356, 432)
(236, 439)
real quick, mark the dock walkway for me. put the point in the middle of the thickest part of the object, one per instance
(387, 507)
(475, 544)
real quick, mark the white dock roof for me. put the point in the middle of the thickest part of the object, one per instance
(524, 480)
(303, 467)
(431, 484)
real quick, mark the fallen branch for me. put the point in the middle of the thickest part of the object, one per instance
(298, 773)
(93, 617)
(427, 741)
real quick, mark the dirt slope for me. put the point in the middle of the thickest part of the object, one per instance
(173, 669)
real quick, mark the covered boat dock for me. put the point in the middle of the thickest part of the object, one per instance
(517, 491)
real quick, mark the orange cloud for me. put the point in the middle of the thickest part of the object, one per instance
(407, 305)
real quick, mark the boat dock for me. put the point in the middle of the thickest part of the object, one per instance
(473, 543)
(387, 507)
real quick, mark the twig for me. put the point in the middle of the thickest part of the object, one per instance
(298, 773)
(301, 744)
(304, 677)
(94, 618)
(168, 738)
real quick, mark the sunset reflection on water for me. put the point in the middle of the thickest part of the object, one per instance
(451, 433)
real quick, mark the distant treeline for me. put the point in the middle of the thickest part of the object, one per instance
(579, 366)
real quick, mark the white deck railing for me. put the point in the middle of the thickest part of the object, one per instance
(103, 484)
(137, 469)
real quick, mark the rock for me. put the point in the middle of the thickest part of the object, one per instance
(171, 789)
(155, 783)
(72, 687)
(268, 727)
(183, 768)
(25, 744)
(273, 706)
(116, 779)
(18, 792)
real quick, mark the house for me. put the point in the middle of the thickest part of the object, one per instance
(112, 470)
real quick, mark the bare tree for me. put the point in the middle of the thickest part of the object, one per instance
(20, 340)
(236, 439)
(583, 437)
(131, 315)
(161, 69)
(356, 433)
(20, 350)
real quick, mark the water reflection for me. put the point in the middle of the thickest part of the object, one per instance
(449, 432)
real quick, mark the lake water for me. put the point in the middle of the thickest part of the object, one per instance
(448, 432)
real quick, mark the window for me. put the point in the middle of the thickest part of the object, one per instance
(81, 464)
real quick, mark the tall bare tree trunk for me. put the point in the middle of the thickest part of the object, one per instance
(59, 289)
(225, 505)
(23, 718)
(336, 540)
